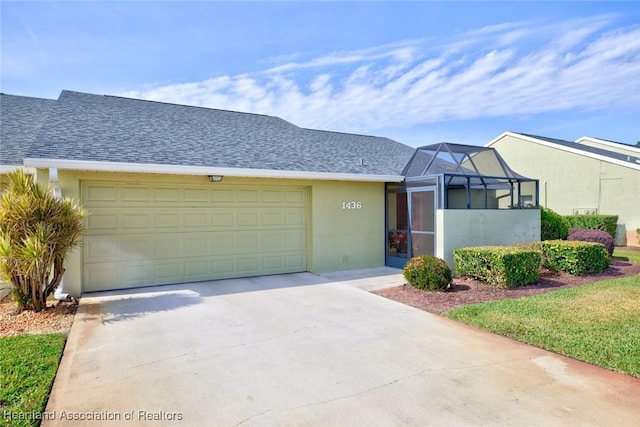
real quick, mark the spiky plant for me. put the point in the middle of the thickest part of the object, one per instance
(37, 231)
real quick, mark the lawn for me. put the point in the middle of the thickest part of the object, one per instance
(627, 255)
(28, 364)
(597, 323)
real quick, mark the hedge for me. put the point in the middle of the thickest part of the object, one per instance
(552, 225)
(597, 236)
(501, 266)
(606, 223)
(574, 257)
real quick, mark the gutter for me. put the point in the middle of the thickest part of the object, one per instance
(98, 166)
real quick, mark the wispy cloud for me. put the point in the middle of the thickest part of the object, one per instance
(511, 69)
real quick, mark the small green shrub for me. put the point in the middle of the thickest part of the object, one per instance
(608, 223)
(501, 266)
(574, 257)
(552, 225)
(427, 272)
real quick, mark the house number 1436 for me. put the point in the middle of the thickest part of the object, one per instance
(352, 205)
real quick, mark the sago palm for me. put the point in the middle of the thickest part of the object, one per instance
(37, 231)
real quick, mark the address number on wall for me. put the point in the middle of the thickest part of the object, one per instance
(353, 204)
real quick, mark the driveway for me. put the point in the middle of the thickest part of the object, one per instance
(308, 350)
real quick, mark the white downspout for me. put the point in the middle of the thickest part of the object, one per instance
(59, 293)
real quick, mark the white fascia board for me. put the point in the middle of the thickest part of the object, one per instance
(563, 148)
(95, 166)
(608, 143)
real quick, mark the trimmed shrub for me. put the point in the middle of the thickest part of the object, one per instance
(429, 273)
(596, 236)
(608, 223)
(574, 257)
(502, 266)
(552, 225)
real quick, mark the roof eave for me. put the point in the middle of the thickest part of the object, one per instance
(563, 148)
(98, 166)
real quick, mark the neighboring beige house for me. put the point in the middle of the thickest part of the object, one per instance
(179, 194)
(589, 175)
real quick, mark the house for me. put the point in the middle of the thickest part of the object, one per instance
(589, 175)
(182, 194)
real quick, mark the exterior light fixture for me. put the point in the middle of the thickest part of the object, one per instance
(215, 178)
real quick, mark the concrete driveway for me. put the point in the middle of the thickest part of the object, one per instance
(307, 350)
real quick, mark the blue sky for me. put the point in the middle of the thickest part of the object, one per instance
(417, 72)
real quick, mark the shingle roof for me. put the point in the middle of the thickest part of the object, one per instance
(113, 129)
(588, 149)
(20, 120)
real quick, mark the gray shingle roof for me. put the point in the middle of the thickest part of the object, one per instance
(114, 129)
(20, 120)
(589, 149)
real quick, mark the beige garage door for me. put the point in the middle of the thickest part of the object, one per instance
(139, 235)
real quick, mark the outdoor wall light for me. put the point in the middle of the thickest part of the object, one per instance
(215, 178)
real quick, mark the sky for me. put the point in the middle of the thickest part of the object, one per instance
(419, 72)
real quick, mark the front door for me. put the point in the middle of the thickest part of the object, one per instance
(422, 204)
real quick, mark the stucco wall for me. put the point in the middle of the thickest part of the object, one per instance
(460, 228)
(338, 239)
(571, 181)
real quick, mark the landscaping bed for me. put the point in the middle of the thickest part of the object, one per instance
(468, 291)
(57, 318)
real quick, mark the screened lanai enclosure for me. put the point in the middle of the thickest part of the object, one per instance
(455, 194)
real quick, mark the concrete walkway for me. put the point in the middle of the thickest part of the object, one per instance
(308, 350)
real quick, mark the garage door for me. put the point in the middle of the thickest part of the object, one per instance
(139, 235)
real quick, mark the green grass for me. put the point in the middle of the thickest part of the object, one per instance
(597, 323)
(28, 365)
(627, 255)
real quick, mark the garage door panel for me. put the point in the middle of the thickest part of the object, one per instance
(294, 240)
(170, 272)
(141, 235)
(223, 219)
(101, 221)
(294, 196)
(195, 244)
(196, 269)
(168, 246)
(295, 261)
(245, 196)
(136, 194)
(135, 220)
(272, 241)
(294, 218)
(166, 220)
(201, 195)
(100, 248)
(171, 195)
(248, 242)
(224, 267)
(272, 196)
(195, 219)
(100, 193)
(223, 195)
(249, 265)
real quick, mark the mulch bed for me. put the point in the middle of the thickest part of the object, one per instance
(468, 291)
(56, 318)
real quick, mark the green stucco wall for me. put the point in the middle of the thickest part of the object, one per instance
(571, 181)
(338, 239)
